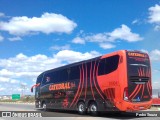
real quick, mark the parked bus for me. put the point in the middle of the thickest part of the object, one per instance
(119, 81)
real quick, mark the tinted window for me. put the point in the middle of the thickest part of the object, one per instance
(136, 61)
(39, 79)
(89, 68)
(51, 77)
(108, 65)
(63, 75)
(74, 73)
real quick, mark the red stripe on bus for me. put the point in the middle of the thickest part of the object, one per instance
(138, 72)
(137, 86)
(95, 82)
(91, 78)
(94, 73)
(107, 93)
(147, 73)
(110, 93)
(77, 90)
(141, 72)
(137, 91)
(86, 81)
(82, 85)
(148, 88)
(143, 86)
(149, 85)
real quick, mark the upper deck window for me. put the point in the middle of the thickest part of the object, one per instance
(108, 65)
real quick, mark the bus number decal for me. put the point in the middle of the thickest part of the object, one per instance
(114, 83)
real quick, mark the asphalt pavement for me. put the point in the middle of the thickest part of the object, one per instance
(26, 109)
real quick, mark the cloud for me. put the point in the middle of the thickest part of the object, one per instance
(3, 79)
(8, 80)
(155, 55)
(106, 45)
(145, 51)
(100, 37)
(57, 47)
(24, 69)
(14, 81)
(2, 89)
(78, 40)
(2, 14)
(154, 16)
(123, 33)
(1, 38)
(157, 28)
(156, 85)
(15, 39)
(135, 21)
(48, 23)
(70, 56)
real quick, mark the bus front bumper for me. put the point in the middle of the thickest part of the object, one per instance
(130, 106)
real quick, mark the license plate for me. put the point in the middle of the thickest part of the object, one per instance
(141, 107)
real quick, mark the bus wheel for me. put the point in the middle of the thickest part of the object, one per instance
(81, 108)
(44, 106)
(93, 110)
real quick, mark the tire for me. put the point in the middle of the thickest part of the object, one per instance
(93, 109)
(81, 108)
(44, 107)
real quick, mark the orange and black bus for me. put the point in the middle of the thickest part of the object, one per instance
(119, 81)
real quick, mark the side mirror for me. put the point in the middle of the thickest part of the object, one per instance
(32, 89)
(36, 85)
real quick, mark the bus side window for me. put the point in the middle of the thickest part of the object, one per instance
(55, 77)
(63, 75)
(44, 80)
(88, 66)
(51, 77)
(108, 65)
(111, 64)
(74, 73)
(101, 67)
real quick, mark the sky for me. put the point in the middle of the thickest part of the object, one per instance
(40, 35)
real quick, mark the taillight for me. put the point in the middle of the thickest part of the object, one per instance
(125, 95)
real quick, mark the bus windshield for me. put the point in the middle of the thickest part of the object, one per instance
(138, 64)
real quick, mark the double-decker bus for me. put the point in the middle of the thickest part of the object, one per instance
(119, 81)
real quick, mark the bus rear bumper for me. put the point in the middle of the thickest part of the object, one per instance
(129, 106)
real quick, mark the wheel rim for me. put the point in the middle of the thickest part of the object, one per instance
(93, 108)
(81, 108)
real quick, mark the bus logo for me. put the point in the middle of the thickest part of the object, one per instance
(136, 54)
(62, 86)
(48, 79)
